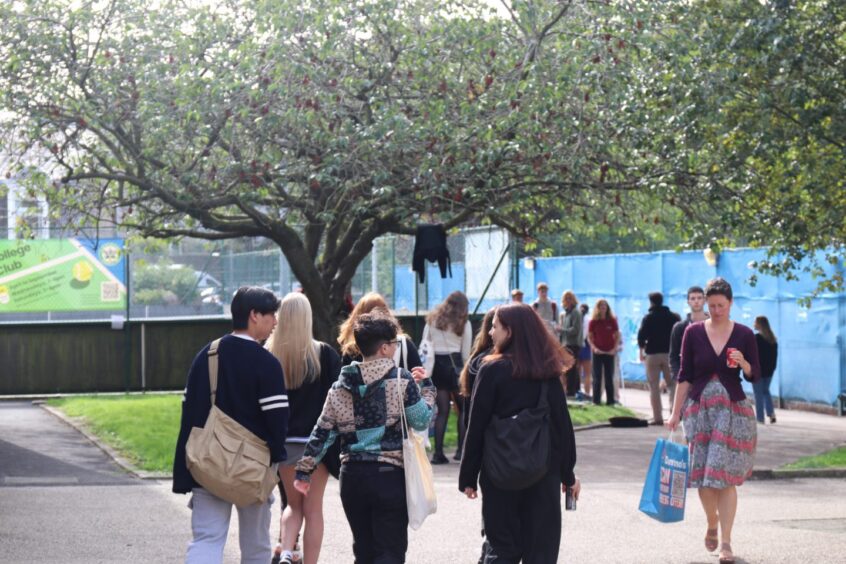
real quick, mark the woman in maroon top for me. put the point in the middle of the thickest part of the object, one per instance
(719, 421)
(603, 336)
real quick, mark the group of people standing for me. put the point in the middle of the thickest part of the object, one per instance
(323, 413)
(593, 343)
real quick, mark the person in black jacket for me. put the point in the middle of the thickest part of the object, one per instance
(653, 338)
(520, 524)
(767, 358)
(482, 347)
(251, 390)
(310, 367)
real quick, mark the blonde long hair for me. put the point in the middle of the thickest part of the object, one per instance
(292, 344)
(366, 304)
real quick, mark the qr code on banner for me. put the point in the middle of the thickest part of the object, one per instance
(679, 484)
(109, 292)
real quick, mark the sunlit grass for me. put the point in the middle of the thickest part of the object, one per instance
(144, 428)
(832, 459)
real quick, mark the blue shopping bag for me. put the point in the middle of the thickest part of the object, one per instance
(665, 489)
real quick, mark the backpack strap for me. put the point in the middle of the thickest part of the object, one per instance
(542, 399)
(213, 368)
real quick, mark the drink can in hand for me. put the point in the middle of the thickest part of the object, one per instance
(730, 362)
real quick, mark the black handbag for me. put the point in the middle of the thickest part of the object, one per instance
(517, 448)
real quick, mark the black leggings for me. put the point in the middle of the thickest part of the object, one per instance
(603, 363)
(443, 402)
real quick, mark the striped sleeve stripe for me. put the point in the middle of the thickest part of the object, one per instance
(269, 399)
(274, 405)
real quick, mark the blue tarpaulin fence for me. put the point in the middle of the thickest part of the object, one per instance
(812, 357)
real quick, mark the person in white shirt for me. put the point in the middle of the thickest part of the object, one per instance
(448, 329)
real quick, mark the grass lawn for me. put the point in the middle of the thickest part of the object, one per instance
(832, 459)
(144, 427)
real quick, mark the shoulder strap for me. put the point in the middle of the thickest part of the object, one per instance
(555, 311)
(213, 369)
(401, 397)
(404, 359)
(542, 399)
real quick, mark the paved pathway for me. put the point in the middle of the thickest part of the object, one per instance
(62, 500)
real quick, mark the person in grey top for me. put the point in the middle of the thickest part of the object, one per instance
(547, 309)
(572, 337)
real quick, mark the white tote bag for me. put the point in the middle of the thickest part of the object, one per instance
(427, 352)
(419, 481)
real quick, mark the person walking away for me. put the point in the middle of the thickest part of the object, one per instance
(482, 347)
(406, 355)
(604, 337)
(718, 419)
(653, 338)
(767, 358)
(362, 411)
(449, 330)
(546, 309)
(251, 390)
(572, 337)
(516, 296)
(585, 358)
(310, 368)
(522, 524)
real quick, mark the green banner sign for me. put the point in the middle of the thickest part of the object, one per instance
(62, 275)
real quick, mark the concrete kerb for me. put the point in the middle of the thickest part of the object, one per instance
(125, 464)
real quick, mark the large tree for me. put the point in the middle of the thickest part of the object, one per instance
(322, 125)
(748, 97)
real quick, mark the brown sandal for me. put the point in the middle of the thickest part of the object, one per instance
(726, 555)
(712, 541)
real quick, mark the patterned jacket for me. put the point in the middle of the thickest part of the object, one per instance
(362, 411)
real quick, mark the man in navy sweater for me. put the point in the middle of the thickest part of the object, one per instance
(251, 390)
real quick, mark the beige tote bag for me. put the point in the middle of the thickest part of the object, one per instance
(227, 459)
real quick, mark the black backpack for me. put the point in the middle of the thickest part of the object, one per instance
(517, 448)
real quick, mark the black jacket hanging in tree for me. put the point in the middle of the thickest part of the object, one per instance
(430, 244)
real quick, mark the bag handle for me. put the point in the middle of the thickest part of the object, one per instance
(671, 436)
(404, 359)
(213, 369)
(400, 396)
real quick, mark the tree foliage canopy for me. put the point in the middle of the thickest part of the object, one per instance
(323, 124)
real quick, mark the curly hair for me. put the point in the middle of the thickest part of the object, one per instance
(451, 314)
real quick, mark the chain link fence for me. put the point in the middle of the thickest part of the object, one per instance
(196, 278)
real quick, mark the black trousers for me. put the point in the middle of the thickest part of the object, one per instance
(574, 383)
(522, 525)
(373, 496)
(603, 363)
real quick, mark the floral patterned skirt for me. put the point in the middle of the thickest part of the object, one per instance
(722, 435)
